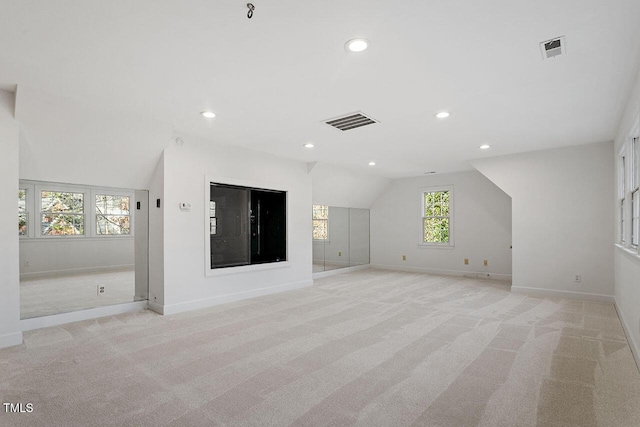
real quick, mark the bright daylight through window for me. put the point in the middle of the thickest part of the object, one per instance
(62, 214)
(436, 207)
(112, 214)
(22, 212)
(67, 211)
(320, 222)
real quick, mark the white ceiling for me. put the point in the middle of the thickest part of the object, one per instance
(272, 79)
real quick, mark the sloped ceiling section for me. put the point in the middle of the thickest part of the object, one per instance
(337, 186)
(62, 140)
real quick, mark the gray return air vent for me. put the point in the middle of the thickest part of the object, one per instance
(350, 121)
(552, 48)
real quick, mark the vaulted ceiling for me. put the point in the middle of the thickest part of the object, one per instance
(273, 79)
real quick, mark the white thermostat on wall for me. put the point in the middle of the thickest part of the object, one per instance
(184, 206)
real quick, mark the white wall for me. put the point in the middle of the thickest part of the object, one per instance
(482, 227)
(627, 266)
(185, 168)
(562, 218)
(337, 186)
(10, 332)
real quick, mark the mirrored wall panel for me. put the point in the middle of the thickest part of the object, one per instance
(81, 247)
(340, 237)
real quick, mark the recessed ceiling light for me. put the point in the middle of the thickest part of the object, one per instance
(485, 146)
(208, 114)
(443, 114)
(357, 45)
(372, 163)
(308, 145)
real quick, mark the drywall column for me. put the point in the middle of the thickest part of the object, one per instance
(10, 333)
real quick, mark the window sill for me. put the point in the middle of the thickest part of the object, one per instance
(246, 268)
(633, 254)
(74, 239)
(435, 246)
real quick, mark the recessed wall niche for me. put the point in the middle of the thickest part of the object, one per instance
(246, 225)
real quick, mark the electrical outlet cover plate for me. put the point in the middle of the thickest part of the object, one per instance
(101, 289)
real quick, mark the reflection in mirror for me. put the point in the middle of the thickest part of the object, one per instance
(340, 237)
(80, 247)
(359, 236)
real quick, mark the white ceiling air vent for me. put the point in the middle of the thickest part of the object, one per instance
(350, 121)
(552, 48)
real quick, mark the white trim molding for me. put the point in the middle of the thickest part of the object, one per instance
(10, 340)
(540, 292)
(633, 345)
(468, 274)
(76, 316)
(341, 270)
(198, 304)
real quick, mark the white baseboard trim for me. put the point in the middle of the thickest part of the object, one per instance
(333, 272)
(158, 308)
(76, 316)
(9, 340)
(635, 349)
(76, 271)
(539, 292)
(222, 299)
(470, 274)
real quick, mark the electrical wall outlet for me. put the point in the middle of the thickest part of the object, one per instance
(404, 257)
(486, 263)
(102, 289)
(577, 278)
(466, 261)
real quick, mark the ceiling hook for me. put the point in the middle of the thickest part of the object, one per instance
(251, 9)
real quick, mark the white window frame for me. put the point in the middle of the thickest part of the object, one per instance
(320, 219)
(634, 179)
(34, 205)
(53, 187)
(421, 193)
(622, 193)
(110, 192)
(29, 205)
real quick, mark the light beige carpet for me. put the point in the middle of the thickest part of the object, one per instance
(369, 348)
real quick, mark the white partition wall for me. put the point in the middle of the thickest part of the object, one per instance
(10, 332)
